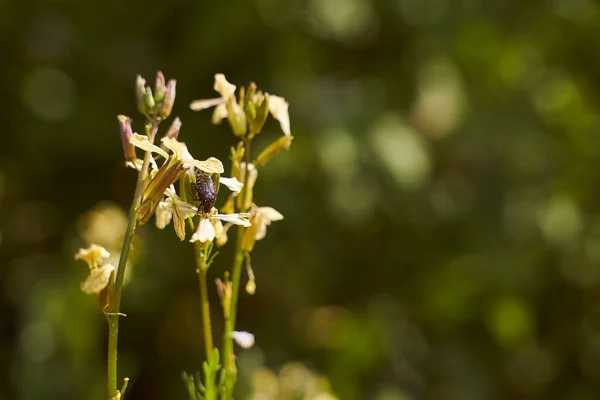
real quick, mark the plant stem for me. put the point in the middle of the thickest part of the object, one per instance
(206, 325)
(113, 317)
(236, 273)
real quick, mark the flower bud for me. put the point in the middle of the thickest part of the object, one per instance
(148, 99)
(159, 88)
(237, 118)
(262, 112)
(126, 134)
(140, 94)
(168, 99)
(273, 149)
(173, 131)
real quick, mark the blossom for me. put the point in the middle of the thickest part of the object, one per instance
(227, 107)
(99, 274)
(209, 227)
(206, 230)
(260, 218)
(169, 172)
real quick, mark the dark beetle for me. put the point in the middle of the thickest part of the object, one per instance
(207, 192)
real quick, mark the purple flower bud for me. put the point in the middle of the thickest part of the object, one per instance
(168, 99)
(173, 131)
(126, 134)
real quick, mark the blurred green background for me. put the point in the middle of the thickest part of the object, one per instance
(441, 237)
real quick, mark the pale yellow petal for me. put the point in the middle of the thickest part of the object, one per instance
(261, 228)
(237, 219)
(135, 164)
(278, 108)
(143, 143)
(270, 213)
(211, 165)
(224, 88)
(93, 255)
(219, 114)
(98, 279)
(205, 232)
(198, 105)
(163, 213)
(232, 183)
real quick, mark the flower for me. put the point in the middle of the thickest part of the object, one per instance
(209, 227)
(260, 218)
(206, 231)
(255, 115)
(244, 339)
(99, 274)
(169, 172)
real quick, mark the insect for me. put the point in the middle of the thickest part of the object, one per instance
(207, 187)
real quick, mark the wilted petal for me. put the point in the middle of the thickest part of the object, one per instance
(270, 213)
(219, 114)
(186, 209)
(244, 339)
(205, 232)
(163, 213)
(278, 108)
(224, 88)
(237, 219)
(179, 223)
(93, 255)
(143, 143)
(211, 165)
(98, 279)
(232, 183)
(198, 105)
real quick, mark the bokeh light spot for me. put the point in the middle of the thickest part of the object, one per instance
(49, 93)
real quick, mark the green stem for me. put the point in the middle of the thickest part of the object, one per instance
(113, 317)
(236, 273)
(206, 325)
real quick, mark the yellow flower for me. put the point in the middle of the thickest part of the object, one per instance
(260, 217)
(99, 274)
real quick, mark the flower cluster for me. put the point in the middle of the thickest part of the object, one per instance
(174, 187)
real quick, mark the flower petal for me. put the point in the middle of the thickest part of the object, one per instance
(219, 114)
(224, 88)
(278, 108)
(98, 279)
(143, 143)
(270, 214)
(237, 219)
(232, 183)
(93, 255)
(198, 105)
(211, 165)
(177, 147)
(244, 339)
(163, 213)
(136, 164)
(186, 209)
(205, 232)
